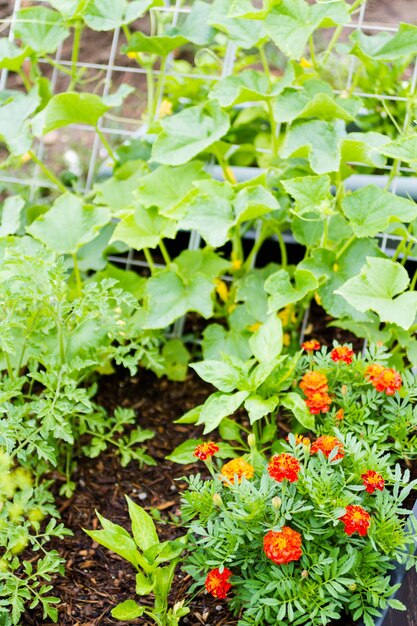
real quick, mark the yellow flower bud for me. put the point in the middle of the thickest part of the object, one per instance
(251, 440)
(317, 298)
(286, 339)
(305, 64)
(254, 327)
(222, 289)
(131, 55)
(165, 109)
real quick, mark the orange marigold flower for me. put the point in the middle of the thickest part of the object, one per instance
(283, 546)
(326, 443)
(373, 371)
(372, 480)
(318, 402)
(217, 583)
(389, 381)
(312, 382)
(206, 450)
(311, 345)
(342, 353)
(356, 519)
(340, 415)
(237, 467)
(284, 466)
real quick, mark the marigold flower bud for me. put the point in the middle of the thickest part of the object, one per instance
(304, 573)
(217, 500)
(251, 440)
(276, 503)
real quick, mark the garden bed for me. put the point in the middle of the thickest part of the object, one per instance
(97, 580)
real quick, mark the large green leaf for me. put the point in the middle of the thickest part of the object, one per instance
(370, 210)
(311, 193)
(364, 148)
(14, 124)
(143, 527)
(248, 86)
(41, 29)
(170, 297)
(203, 262)
(196, 27)
(144, 228)
(11, 57)
(69, 224)
(283, 292)
(218, 373)
(117, 539)
(69, 108)
(257, 407)
(189, 132)
(295, 403)
(166, 187)
(318, 141)
(379, 287)
(404, 149)
(218, 406)
(10, 215)
(324, 265)
(291, 23)
(160, 45)
(244, 33)
(104, 15)
(127, 610)
(266, 341)
(315, 100)
(386, 47)
(119, 192)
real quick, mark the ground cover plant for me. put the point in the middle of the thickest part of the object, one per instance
(71, 317)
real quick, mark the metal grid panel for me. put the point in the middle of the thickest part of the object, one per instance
(132, 128)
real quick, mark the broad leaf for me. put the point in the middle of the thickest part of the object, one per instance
(143, 527)
(166, 187)
(69, 108)
(188, 133)
(295, 403)
(10, 215)
(170, 297)
(127, 610)
(283, 292)
(244, 33)
(11, 57)
(14, 125)
(266, 342)
(318, 141)
(117, 539)
(40, 29)
(386, 47)
(404, 149)
(370, 210)
(314, 101)
(291, 23)
(379, 287)
(257, 407)
(144, 229)
(160, 45)
(248, 86)
(218, 406)
(69, 224)
(218, 373)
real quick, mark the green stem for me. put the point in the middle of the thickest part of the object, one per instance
(149, 260)
(25, 80)
(9, 366)
(272, 121)
(325, 236)
(413, 284)
(265, 64)
(78, 29)
(237, 244)
(126, 31)
(159, 86)
(407, 252)
(47, 172)
(346, 246)
(77, 274)
(251, 258)
(106, 145)
(283, 249)
(393, 173)
(150, 83)
(164, 252)
(333, 41)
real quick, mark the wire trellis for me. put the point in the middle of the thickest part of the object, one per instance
(129, 128)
